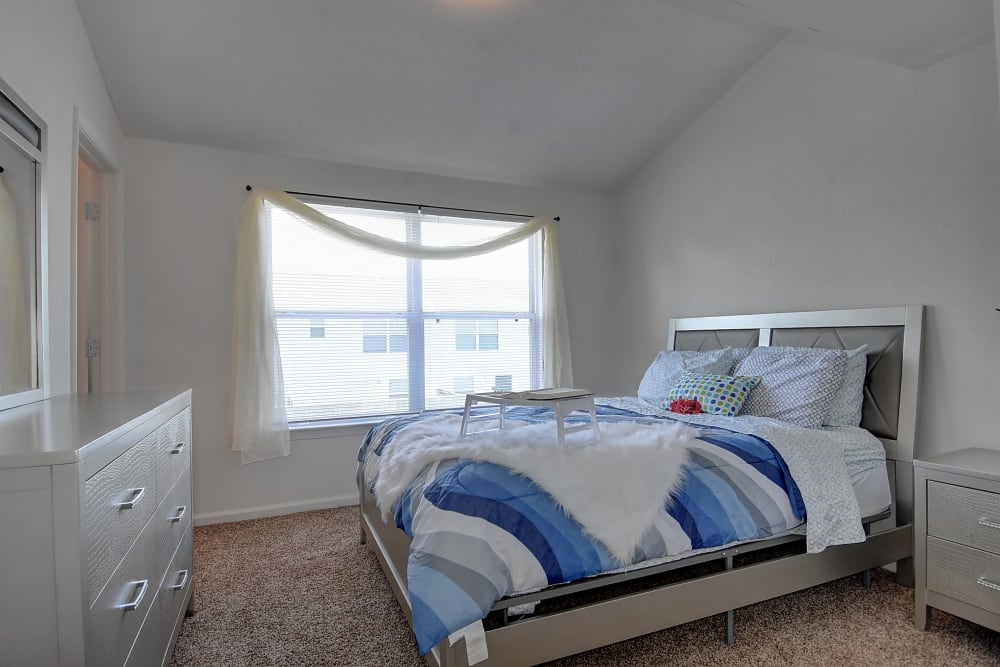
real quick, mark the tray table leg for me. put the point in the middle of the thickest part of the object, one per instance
(465, 416)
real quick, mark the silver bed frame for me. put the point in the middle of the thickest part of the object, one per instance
(890, 409)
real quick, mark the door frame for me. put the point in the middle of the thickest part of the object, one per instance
(111, 243)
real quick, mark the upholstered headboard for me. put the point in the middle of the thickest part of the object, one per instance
(893, 337)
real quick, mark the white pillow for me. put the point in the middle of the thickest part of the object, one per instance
(846, 407)
(797, 384)
(669, 365)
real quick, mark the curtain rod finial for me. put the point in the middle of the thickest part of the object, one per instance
(249, 188)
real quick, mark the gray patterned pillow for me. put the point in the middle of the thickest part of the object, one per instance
(845, 410)
(798, 384)
(739, 354)
(669, 365)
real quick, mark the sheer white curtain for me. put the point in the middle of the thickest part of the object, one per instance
(259, 423)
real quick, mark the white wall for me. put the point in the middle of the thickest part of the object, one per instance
(181, 204)
(826, 180)
(45, 56)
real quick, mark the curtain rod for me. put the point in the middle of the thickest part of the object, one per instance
(403, 203)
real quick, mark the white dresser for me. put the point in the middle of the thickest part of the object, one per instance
(95, 529)
(957, 533)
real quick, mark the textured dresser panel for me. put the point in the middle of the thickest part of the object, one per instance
(963, 515)
(964, 573)
(173, 519)
(110, 530)
(173, 451)
(148, 649)
(113, 629)
(176, 583)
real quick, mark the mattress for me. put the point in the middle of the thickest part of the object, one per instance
(871, 488)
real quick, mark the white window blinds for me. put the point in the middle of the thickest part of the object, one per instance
(364, 333)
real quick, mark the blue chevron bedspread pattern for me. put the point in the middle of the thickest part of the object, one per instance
(480, 531)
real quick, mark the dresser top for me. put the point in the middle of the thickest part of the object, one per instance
(68, 429)
(981, 463)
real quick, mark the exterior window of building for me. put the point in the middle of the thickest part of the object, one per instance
(503, 383)
(477, 335)
(464, 385)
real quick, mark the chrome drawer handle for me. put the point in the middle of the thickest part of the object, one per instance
(178, 448)
(989, 524)
(992, 585)
(182, 583)
(180, 513)
(136, 497)
(134, 604)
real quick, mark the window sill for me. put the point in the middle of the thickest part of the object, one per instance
(339, 429)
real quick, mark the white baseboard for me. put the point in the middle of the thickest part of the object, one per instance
(262, 511)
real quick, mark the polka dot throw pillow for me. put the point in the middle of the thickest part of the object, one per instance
(718, 394)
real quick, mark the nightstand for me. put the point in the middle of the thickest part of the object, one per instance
(957, 536)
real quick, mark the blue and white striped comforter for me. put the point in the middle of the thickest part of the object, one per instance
(481, 531)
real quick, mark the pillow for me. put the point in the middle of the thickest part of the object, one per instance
(669, 365)
(739, 354)
(718, 394)
(797, 384)
(846, 407)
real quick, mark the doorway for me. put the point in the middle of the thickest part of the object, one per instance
(96, 276)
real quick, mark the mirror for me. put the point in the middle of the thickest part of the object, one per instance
(20, 225)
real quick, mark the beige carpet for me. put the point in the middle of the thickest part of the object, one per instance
(300, 590)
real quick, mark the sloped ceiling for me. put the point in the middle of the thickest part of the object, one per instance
(909, 33)
(573, 93)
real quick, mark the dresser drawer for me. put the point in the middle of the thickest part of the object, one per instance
(118, 501)
(964, 573)
(176, 584)
(119, 611)
(173, 450)
(963, 515)
(148, 648)
(173, 519)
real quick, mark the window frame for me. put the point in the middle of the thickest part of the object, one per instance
(414, 316)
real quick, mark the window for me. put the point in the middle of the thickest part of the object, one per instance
(464, 385)
(401, 335)
(477, 335)
(398, 388)
(384, 336)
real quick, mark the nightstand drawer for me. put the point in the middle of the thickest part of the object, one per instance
(963, 515)
(964, 573)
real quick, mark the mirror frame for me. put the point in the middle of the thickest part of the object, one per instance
(39, 306)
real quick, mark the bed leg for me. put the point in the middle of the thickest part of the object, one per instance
(363, 537)
(731, 614)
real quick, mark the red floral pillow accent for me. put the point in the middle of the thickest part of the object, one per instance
(685, 406)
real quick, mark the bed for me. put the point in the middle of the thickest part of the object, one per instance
(614, 604)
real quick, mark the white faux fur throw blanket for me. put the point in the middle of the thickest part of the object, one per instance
(614, 488)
